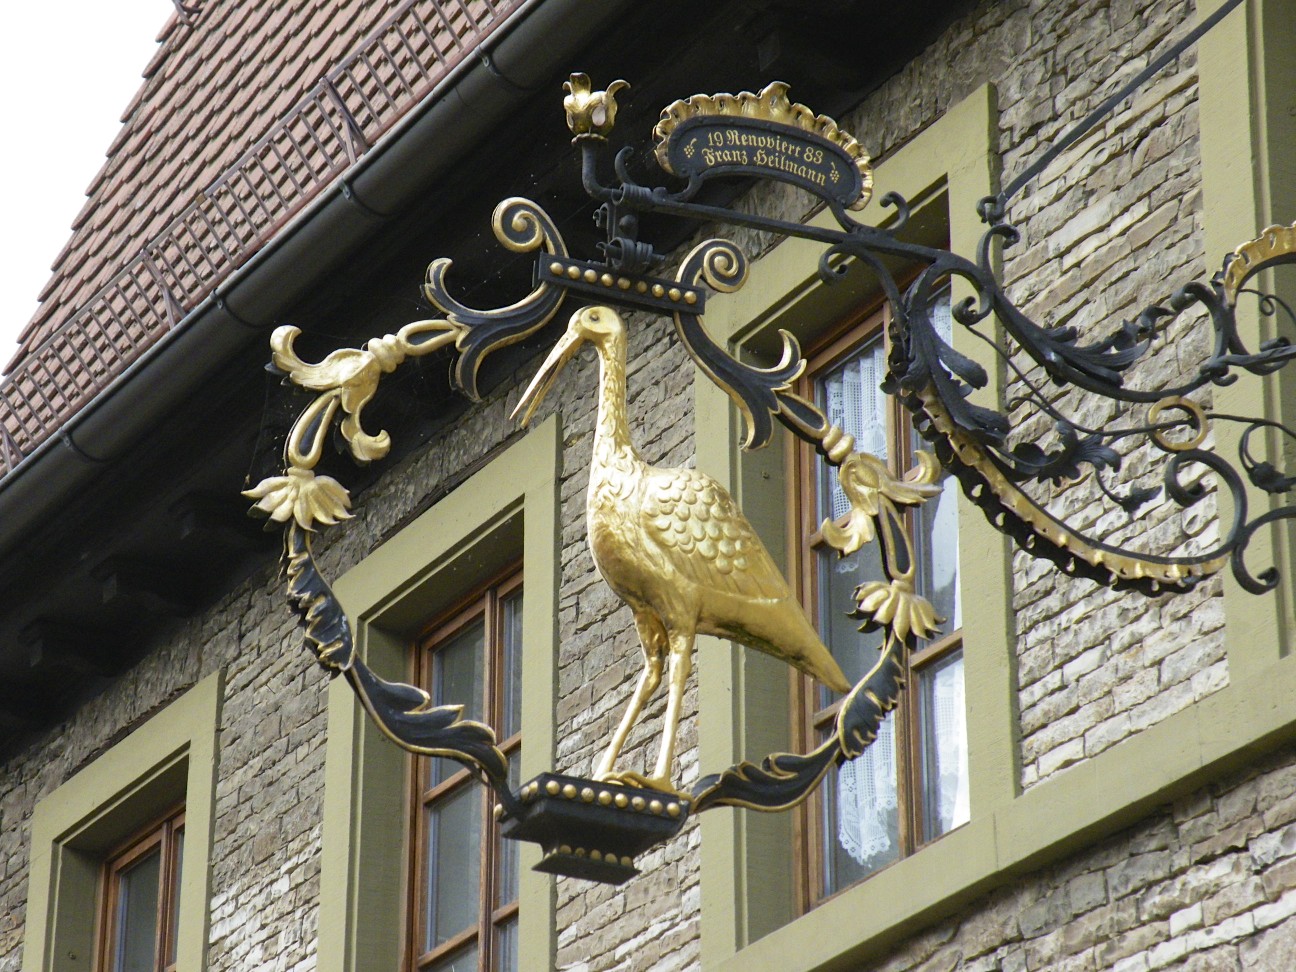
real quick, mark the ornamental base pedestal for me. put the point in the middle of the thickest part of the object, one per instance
(592, 830)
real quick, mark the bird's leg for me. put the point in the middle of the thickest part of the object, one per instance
(681, 664)
(652, 638)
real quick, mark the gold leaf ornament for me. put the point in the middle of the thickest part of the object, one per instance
(301, 496)
(865, 480)
(590, 113)
(349, 377)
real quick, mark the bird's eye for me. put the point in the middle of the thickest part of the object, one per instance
(594, 316)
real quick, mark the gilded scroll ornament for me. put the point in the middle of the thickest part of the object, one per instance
(346, 380)
(869, 486)
(522, 227)
(349, 377)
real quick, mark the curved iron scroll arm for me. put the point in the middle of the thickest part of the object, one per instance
(758, 392)
(522, 227)
(404, 713)
(784, 780)
(972, 442)
(934, 381)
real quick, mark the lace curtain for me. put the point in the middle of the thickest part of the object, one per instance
(867, 798)
(854, 400)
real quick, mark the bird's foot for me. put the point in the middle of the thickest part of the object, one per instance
(661, 784)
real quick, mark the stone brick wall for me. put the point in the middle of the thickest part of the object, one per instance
(1112, 225)
(265, 853)
(1207, 884)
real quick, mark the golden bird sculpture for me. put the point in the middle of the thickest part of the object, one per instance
(673, 545)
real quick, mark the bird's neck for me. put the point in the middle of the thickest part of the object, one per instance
(612, 444)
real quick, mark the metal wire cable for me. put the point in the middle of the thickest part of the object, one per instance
(1108, 106)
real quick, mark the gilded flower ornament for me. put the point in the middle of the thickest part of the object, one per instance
(591, 113)
(303, 497)
(895, 605)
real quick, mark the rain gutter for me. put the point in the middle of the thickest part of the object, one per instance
(475, 97)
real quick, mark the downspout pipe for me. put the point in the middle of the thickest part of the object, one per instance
(474, 99)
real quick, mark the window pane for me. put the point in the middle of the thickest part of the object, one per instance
(506, 890)
(944, 746)
(855, 651)
(453, 865)
(178, 838)
(136, 930)
(511, 716)
(936, 522)
(506, 947)
(459, 677)
(457, 671)
(936, 538)
(852, 398)
(465, 961)
(862, 817)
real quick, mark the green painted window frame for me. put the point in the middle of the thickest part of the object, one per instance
(1246, 149)
(506, 511)
(169, 759)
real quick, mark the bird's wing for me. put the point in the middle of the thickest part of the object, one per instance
(703, 534)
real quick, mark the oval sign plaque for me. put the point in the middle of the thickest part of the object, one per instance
(764, 135)
(735, 146)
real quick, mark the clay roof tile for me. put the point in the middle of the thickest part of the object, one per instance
(219, 81)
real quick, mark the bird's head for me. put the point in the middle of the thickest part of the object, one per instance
(598, 325)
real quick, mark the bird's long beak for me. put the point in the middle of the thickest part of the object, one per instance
(535, 392)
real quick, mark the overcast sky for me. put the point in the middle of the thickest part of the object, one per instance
(68, 71)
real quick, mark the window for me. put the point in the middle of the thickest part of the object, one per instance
(464, 908)
(139, 907)
(505, 513)
(911, 785)
(107, 849)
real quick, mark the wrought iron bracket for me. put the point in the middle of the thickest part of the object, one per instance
(594, 829)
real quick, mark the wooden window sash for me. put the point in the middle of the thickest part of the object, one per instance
(805, 542)
(485, 605)
(160, 835)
